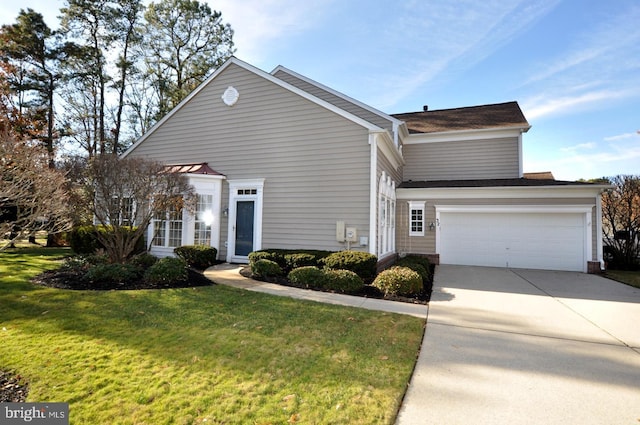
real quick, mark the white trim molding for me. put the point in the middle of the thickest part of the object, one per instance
(234, 197)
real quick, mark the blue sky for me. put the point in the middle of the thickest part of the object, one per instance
(573, 65)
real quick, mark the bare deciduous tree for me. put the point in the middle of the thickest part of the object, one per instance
(33, 196)
(125, 194)
(621, 220)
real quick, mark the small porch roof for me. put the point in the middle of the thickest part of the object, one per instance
(201, 168)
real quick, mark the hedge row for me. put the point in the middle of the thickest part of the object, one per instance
(343, 271)
(361, 263)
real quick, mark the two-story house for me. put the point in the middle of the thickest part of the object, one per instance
(281, 161)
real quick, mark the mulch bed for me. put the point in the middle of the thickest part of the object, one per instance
(72, 279)
(12, 389)
(367, 291)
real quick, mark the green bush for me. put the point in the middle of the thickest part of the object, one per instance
(144, 260)
(270, 255)
(265, 269)
(417, 259)
(301, 259)
(399, 281)
(167, 271)
(83, 239)
(112, 273)
(308, 277)
(343, 281)
(361, 263)
(198, 256)
(289, 259)
(416, 267)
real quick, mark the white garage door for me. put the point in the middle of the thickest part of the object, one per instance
(553, 241)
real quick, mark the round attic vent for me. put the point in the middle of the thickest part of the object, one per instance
(230, 96)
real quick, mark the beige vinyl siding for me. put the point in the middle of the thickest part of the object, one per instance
(462, 160)
(427, 244)
(315, 163)
(385, 165)
(336, 100)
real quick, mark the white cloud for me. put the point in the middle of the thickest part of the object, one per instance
(581, 146)
(602, 65)
(541, 106)
(624, 136)
(259, 24)
(441, 39)
(589, 160)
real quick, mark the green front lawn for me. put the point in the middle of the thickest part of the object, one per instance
(629, 277)
(200, 355)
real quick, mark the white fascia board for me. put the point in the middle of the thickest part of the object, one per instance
(265, 75)
(577, 208)
(343, 96)
(502, 192)
(463, 135)
(388, 148)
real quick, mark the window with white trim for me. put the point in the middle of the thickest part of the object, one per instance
(416, 218)
(167, 229)
(386, 215)
(203, 220)
(122, 211)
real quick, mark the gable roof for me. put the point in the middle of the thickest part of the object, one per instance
(334, 97)
(233, 60)
(499, 115)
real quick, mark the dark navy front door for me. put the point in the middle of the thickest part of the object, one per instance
(244, 227)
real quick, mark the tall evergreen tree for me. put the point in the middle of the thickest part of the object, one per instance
(31, 55)
(186, 42)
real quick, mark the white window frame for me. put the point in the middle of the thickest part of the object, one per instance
(416, 206)
(386, 216)
(166, 223)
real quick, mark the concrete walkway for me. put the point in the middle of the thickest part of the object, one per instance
(229, 274)
(527, 347)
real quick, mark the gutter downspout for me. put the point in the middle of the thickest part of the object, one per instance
(373, 195)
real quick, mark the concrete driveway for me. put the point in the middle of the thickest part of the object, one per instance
(527, 347)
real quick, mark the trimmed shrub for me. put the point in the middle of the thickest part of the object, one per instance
(399, 281)
(416, 267)
(198, 256)
(416, 259)
(83, 239)
(361, 263)
(308, 277)
(343, 281)
(284, 259)
(301, 259)
(270, 255)
(112, 273)
(144, 260)
(265, 269)
(167, 271)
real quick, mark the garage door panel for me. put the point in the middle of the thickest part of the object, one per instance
(520, 240)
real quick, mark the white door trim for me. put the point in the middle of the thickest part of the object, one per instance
(234, 197)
